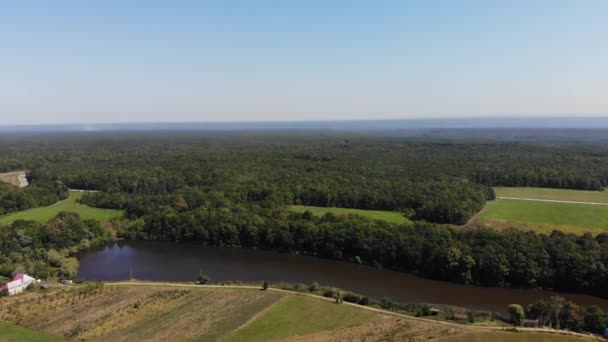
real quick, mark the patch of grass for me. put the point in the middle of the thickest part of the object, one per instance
(297, 316)
(546, 216)
(515, 337)
(388, 216)
(13, 333)
(44, 214)
(554, 194)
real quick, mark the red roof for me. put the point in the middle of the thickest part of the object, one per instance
(18, 276)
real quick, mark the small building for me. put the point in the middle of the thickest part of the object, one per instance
(68, 282)
(461, 317)
(19, 283)
(530, 323)
(435, 311)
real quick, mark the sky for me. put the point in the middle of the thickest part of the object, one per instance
(260, 60)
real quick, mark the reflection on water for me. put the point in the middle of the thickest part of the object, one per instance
(149, 260)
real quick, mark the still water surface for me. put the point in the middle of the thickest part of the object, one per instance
(151, 260)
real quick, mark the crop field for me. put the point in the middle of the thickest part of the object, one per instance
(554, 194)
(544, 217)
(388, 216)
(514, 337)
(155, 313)
(44, 214)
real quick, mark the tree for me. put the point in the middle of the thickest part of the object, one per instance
(516, 312)
(203, 279)
(265, 285)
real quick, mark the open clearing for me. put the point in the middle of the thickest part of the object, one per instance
(388, 216)
(16, 178)
(44, 214)
(553, 194)
(545, 217)
(176, 312)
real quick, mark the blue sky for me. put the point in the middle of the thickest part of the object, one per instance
(130, 61)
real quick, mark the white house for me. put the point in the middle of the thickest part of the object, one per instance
(19, 283)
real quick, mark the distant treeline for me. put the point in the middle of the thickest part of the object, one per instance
(438, 181)
(38, 194)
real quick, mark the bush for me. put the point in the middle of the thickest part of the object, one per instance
(265, 285)
(314, 287)
(516, 312)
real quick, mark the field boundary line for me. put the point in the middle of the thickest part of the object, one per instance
(257, 315)
(381, 311)
(549, 200)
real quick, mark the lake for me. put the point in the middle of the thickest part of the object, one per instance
(151, 260)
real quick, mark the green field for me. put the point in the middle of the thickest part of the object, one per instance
(13, 333)
(297, 316)
(515, 337)
(547, 216)
(388, 216)
(554, 194)
(44, 214)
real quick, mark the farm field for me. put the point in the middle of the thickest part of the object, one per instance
(14, 333)
(43, 214)
(388, 216)
(553, 194)
(154, 313)
(514, 336)
(544, 217)
(178, 312)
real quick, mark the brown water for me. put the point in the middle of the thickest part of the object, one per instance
(149, 260)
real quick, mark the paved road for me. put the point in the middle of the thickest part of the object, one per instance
(548, 200)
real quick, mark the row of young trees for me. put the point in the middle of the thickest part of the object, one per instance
(43, 250)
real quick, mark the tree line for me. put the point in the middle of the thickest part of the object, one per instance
(509, 258)
(38, 194)
(560, 313)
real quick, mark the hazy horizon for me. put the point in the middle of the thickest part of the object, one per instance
(273, 61)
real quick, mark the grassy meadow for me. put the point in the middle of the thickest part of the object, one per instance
(544, 217)
(388, 216)
(43, 214)
(298, 316)
(14, 333)
(554, 194)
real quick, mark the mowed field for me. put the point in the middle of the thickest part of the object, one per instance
(544, 217)
(43, 214)
(14, 333)
(554, 194)
(388, 216)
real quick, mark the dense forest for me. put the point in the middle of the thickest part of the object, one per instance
(232, 190)
(39, 194)
(42, 250)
